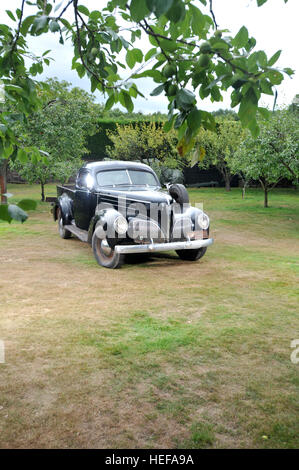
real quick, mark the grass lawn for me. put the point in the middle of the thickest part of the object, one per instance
(161, 353)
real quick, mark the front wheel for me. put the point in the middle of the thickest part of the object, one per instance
(63, 232)
(191, 255)
(104, 254)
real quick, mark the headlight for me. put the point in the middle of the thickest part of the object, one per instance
(203, 221)
(120, 225)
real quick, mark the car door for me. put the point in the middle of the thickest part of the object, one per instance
(85, 199)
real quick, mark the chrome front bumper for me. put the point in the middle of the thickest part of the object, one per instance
(186, 245)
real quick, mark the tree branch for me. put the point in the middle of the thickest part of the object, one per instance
(65, 8)
(213, 15)
(14, 45)
(102, 82)
(148, 29)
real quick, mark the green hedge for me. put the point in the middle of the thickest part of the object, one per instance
(98, 143)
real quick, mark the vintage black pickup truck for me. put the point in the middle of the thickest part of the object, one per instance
(120, 208)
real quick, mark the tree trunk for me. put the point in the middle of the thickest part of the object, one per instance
(227, 184)
(3, 181)
(226, 176)
(43, 191)
(265, 187)
(265, 196)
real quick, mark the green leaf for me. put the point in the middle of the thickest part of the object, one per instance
(65, 23)
(22, 155)
(254, 128)
(179, 119)
(4, 214)
(17, 213)
(220, 46)
(110, 102)
(80, 70)
(7, 151)
(125, 43)
(198, 20)
(162, 6)
(84, 10)
(27, 204)
(289, 71)
(274, 58)
(157, 91)
(95, 15)
(155, 74)
(58, 6)
(248, 108)
(137, 54)
(138, 10)
(266, 87)
(133, 56)
(159, 7)
(241, 38)
(130, 59)
(150, 53)
(133, 91)
(27, 22)
(126, 100)
(275, 77)
(262, 59)
(54, 26)
(40, 23)
(194, 119)
(185, 97)
(264, 112)
(170, 46)
(10, 14)
(177, 12)
(168, 124)
(261, 2)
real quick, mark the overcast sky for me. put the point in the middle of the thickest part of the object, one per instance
(274, 25)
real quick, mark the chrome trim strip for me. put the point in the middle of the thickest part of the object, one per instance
(128, 198)
(152, 247)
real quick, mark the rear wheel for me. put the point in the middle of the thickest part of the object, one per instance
(63, 232)
(104, 254)
(191, 255)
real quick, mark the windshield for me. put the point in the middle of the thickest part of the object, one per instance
(126, 178)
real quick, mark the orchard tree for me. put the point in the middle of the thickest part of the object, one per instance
(188, 57)
(144, 142)
(220, 146)
(3, 183)
(294, 107)
(274, 155)
(59, 129)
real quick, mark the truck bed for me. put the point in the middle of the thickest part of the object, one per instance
(69, 189)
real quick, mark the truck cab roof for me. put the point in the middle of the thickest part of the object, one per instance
(116, 164)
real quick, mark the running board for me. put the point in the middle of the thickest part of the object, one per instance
(78, 232)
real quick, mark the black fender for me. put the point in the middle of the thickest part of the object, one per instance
(92, 225)
(189, 213)
(65, 204)
(106, 217)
